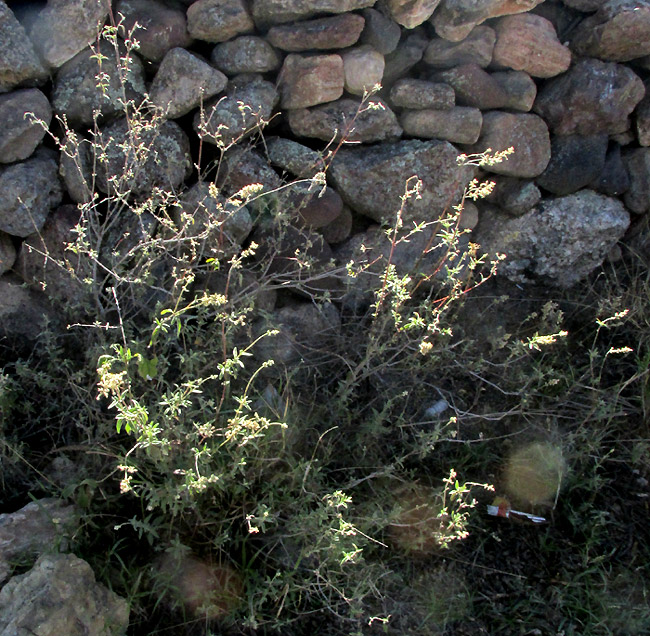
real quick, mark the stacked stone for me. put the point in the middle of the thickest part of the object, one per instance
(564, 83)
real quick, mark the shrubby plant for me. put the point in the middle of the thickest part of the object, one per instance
(322, 489)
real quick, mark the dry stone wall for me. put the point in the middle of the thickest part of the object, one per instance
(564, 83)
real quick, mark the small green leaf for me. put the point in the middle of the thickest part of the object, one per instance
(148, 368)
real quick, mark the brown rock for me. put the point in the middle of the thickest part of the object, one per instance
(20, 134)
(326, 33)
(637, 164)
(363, 68)
(76, 92)
(246, 54)
(416, 94)
(528, 42)
(372, 180)
(476, 48)
(380, 32)
(218, 20)
(309, 80)
(411, 13)
(592, 97)
(163, 26)
(19, 64)
(455, 19)
(619, 31)
(459, 124)
(183, 80)
(526, 133)
(267, 12)
(346, 119)
(519, 88)
(474, 87)
(65, 27)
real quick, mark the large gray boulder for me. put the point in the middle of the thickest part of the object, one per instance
(19, 64)
(29, 191)
(371, 181)
(162, 160)
(77, 93)
(591, 97)
(65, 27)
(246, 107)
(20, 133)
(559, 242)
(59, 595)
(39, 527)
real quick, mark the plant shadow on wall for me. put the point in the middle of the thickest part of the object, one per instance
(235, 475)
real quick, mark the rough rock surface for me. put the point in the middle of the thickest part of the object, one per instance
(576, 161)
(23, 313)
(592, 97)
(20, 134)
(372, 181)
(459, 124)
(267, 12)
(65, 27)
(476, 48)
(528, 42)
(295, 158)
(526, 133)
(363, 68)
(77, 93)
(346, 119)
(19, 63)
(39, 527)
(246, 54)
(218, 20)
(515, 196)
(411, 13)
(519, 88)
(59, 595)
(183, 80)
(7, 253)
(614, 178)
(558, 242)
(637, 165)
(337, 32)
(308, 81)
(30, 190)
(455, 19)
(474, 87)
(166, 162)
(416, 94)
(249, 101)
(380, 31)
(222, 224)
(162, 26)
(619, 31)
(45, 261)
